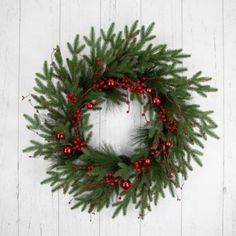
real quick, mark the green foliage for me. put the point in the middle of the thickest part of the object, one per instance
(127, 53)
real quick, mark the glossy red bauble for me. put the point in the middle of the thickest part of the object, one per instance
(125, 184)
(156, 101)
(60, 135)
(111, 82)
(89, 105)
(67, 150)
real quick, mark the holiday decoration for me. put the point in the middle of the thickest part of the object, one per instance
(125, 184)
(67, 150)
(60, 135)
(120, 68)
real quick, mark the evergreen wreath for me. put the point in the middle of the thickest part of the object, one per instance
(121, 67)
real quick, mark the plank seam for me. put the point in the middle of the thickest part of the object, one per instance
(223, 115)
(18, 120)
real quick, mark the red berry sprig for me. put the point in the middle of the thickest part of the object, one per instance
(142, 165)
(72, 99)
(78, 144)
(111, 180)
(173, 125)
(77, 116)
(163, 116)
(154, 151)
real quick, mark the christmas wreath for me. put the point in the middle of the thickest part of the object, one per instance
(121, 67)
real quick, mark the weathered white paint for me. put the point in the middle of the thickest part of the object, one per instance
(29, 29)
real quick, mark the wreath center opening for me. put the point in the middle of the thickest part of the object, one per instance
(115, 126)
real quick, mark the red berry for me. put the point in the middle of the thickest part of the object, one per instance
(173, 125)
(71, 98)
(149, 90)
(147, 161)
(143, 169)
(116, 180)
(83, 144)
(143, 85)
(90, 168)
(110, 173)
(105, 86)
(168, 143)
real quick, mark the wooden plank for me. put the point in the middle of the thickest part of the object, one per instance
(116, 125)
(202, 194)
(229, 29)
(39, 35)
(9, 97)
(78, 17)
(165, 218)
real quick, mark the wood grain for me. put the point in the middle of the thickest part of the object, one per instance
(202, 193)
(9, 117)
(38, 207)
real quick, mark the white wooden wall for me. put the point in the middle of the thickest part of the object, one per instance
(29, 29)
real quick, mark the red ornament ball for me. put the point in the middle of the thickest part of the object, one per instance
(111, 82)
(156, 101)
(168, 143)
(125, 184)
(89, 105)
(67, 150)
(60, 135)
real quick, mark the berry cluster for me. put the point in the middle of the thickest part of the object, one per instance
(162, 147)
(77, 116)
(173, 125)
(78, 144)
(142, 165)
(123, 83)
(72, 99)
(110, 180)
